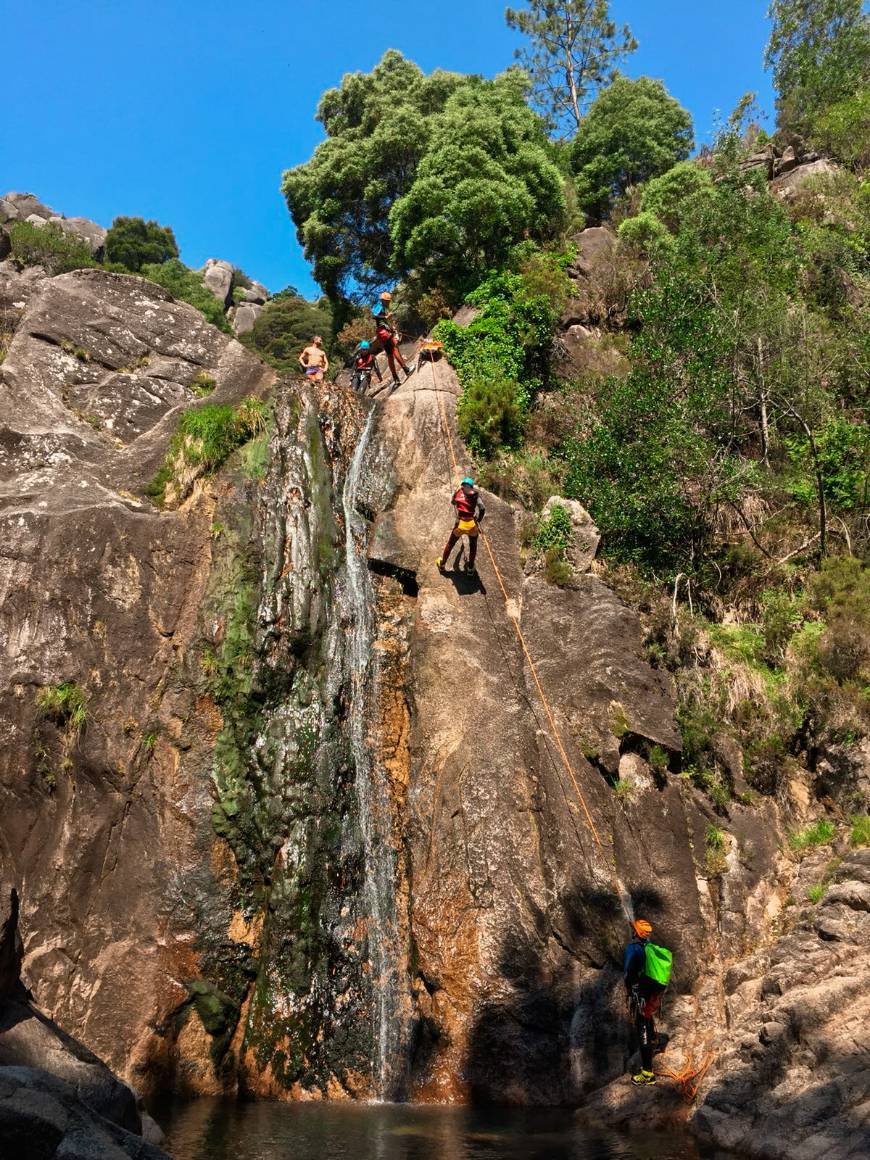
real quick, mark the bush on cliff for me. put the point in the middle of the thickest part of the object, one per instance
(285, 325)
(133, 243)
(48, 246)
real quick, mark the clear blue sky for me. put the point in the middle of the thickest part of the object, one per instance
(188, 111)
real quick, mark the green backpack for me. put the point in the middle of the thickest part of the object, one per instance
(659, 961)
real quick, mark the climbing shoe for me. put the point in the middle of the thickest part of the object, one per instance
(643, 1078)
(439, 564)
(470, 569)
(409, 370)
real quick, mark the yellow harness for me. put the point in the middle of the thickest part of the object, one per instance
(467, 527)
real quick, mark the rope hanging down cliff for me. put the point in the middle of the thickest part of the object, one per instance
(517, 629)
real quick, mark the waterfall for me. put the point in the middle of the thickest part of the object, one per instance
(372, 793)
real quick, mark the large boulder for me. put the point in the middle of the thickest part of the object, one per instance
(788, 184)
(26, 207)
(43, 1118)
(243, 317)
(218, 278)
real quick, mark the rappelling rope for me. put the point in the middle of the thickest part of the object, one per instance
(520, 636)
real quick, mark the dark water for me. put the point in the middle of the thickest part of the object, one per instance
(214, 1129)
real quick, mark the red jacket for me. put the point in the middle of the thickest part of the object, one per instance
(467, 505)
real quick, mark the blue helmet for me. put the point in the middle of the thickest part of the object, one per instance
(364, 345)
(468, 481)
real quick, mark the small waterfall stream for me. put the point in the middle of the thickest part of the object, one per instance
(372, 792)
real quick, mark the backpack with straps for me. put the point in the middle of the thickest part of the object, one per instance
(658, 963)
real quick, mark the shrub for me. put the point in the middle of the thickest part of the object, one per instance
(285, 326)
(48, 246)
(66, 704)
(203, 384)
(133, 243)
(816, 893)
(820, 833)
(555, 531)
(860, 824)
(843, 450)
(489, 414)
(715, 861)
(206, 436)
(188, 286)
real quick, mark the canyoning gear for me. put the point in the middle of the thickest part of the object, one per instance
(439, 564)
(469, 512)
(658, 962)
(364, 345)
(642, 928)
(467, 482)
(470, 568)
(467, 528)
(385, 296)
(644, 1078)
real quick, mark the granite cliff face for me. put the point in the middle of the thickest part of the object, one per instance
(313, 836)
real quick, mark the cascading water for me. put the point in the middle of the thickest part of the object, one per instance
(372, 792)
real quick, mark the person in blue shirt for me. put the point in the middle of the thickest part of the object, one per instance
(387, 334)
(644, 998)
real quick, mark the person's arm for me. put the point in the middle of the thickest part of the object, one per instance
(303, 358)
(480, 511)
(325, 362)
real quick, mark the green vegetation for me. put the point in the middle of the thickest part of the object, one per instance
(66, 704)
(819, 833)
(860, 824)
(443, 173)
(205, 438)
(817, 892)
(133, 243)
(286, 325)
(202, 384)
(573, 48)
(187, 286)
(715, 857)
(48, 246)
(633, 131)
(819, 51)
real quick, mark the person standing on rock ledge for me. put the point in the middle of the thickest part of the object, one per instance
(388, 336)
(469, 512)
(313, 360)
(647, 971)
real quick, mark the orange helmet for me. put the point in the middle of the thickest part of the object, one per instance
(642, 928)
(386, 296)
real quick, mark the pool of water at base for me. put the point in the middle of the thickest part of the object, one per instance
(215, 1129)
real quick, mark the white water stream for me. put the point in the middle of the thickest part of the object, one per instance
(372, 793)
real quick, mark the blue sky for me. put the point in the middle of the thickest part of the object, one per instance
(189, 112)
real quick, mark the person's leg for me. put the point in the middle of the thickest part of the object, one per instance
(472, 551)
(448, 548)
(647, 1034)
(395, 346)
(391, 360)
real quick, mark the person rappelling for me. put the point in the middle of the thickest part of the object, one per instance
(388, 335)
(647, 971)
(363, 364)
(314, 361)
(469, 512)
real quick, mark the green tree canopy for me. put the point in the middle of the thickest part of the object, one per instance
(819, 51)
(132, 242)
(378, 126)
(444, 172)
(485, 182)
(573, 48)
(633, 131)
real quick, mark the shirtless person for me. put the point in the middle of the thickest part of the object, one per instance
(313, 360)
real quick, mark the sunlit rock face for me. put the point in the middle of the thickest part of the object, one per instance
(315, 834)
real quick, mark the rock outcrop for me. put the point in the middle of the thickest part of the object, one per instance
(26, 207)
(56, 1097)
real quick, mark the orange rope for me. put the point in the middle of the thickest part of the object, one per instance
(520, 637)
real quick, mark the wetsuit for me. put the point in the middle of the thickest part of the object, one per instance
(645, 996)
(469, 512)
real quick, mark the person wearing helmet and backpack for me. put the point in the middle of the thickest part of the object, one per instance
(388, 337)
(363, 365)
(469, 512)
(647, 971)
